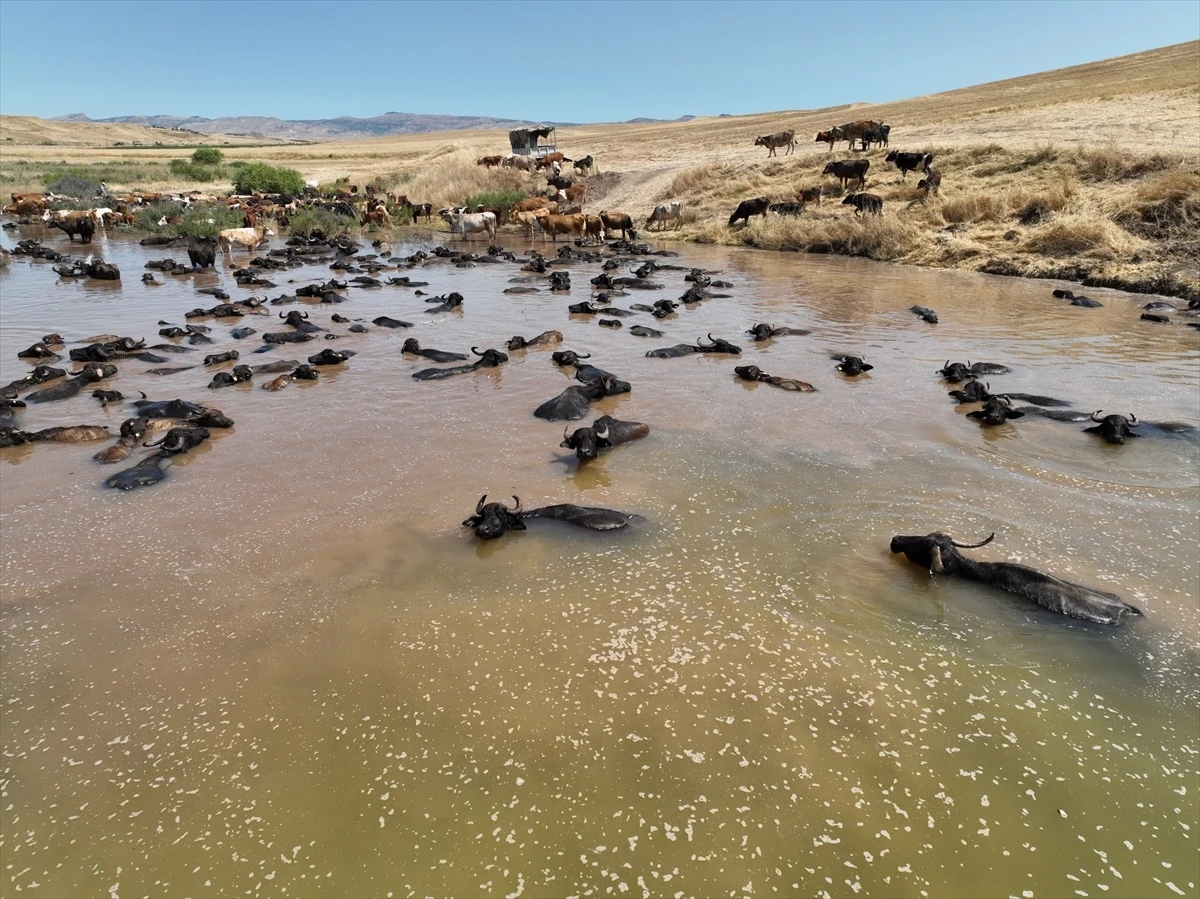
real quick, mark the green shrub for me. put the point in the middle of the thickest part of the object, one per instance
(305, 221)
(71, 185)
(501, 198)
(258, 177)
(207, 156)
(207, 220)
(193, 171)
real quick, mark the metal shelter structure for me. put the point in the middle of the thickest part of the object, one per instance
(527, 141)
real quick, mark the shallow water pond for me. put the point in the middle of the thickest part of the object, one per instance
(288, 668)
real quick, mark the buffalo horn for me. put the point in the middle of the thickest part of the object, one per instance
(475, 350)
(1133, 422)
(935, 563)
(517, 500)
(304, 315)
(602, 435)
(974, 545)
(155, 443)
(479, 505)
(565, 429)
(1097, 413)
(583, 355)
(281, 315)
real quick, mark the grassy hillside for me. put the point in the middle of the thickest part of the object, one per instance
(1088, 173)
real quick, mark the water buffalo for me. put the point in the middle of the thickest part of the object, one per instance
(297, 319)
(40, 375)
(385, 322)
(643, 331)
(546, 338)
(132, 431)
(446, 303)
(1077, 300)
(489, 358)
(754, 373)
(218, 358)
(278, 337)
(202, 252)
(939, 554)
(996, 411)
(764, 331)
(92, 371)
(240, 374)
(413, 346)
(73, 434)
(1113, 428)
(604, 433)
(954, 372)
(852, 366)
(331, 357)
(977, 392)
(38, 350)
(572, 404)
(152, 468)
(924, 312)
(492, 520)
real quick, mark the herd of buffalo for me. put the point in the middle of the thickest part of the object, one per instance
(197, 343)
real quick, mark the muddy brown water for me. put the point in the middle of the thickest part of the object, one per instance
(288, 668)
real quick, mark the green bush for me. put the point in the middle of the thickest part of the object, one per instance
(258, 177)
(194, 171)
(502, 199)
(207, 156)
(147, 217)
(207, 220)
(71, 185)
(305, 221)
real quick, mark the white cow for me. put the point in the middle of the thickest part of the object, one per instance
(465, 223)
(666, 212)
(242, 237)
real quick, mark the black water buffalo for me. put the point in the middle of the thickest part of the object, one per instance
(1113, 428)
(572, 404)
(385, 322)
(40, 375)
(955, 372)
(747, 208)
(492, 520)
(754, 373)
(643, 331)
(977, 392)
(1086, 302)
(72, 434)
(202, 252)
(240, 374)
(846, 170)
(604, 433)
(152, 469)
(546, 338)
(413, 346)
(218, 358)
(446, 303)
(717, 345)
(92, 371)
(132, 431)
(331, 357)
(299, 320)
(82, 225)
(909, 162)
(872, 204)
(852, 366)
(925, 313)
(996, 411)
(762, 331)
(181, 410)
(939, 554)
(38, 350)
(489, 358)
(277, 337)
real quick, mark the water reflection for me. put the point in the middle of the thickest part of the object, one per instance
(289, 668)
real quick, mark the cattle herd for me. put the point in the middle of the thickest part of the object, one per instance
(172, 426)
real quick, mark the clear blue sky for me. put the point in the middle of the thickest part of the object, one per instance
(591, 61)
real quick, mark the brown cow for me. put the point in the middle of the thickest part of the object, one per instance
(593, 227)
(526, 218)
(575, 193)
(555, 225)
(614, 221)
(549, 159)
(530, 205)
(489, 162)
(809, 195)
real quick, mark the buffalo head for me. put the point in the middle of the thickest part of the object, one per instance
(180, 440)
(853, 365)
(973, 392)
(934, 552)
(492, 520)
(1113, 428)
(956, 372)
(717, 345)
(996, 411)
(489, 358)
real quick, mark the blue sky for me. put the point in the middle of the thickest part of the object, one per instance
(597, 61)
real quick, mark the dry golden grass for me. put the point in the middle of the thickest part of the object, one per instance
(1069, 173)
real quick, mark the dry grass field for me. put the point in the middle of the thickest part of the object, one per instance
(1089, 173)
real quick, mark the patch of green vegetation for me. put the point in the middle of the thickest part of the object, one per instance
(305, 221)
(502, 199)
(259, 177)
(194, 171)
(207, 156)
(207, 220)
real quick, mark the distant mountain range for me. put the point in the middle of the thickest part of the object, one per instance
(340, 128)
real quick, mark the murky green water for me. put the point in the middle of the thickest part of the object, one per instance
(288, 669)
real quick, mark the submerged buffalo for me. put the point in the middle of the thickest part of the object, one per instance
(939, 554)
(132, 430)
(603, 434)
(852, 366)
(763, 331)
(152, 469)
(754, 373)
(546, 338)
(957, 372)
(715, 345)
(413, 346)
(492, 520)
(489, 358)
(572, 404)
